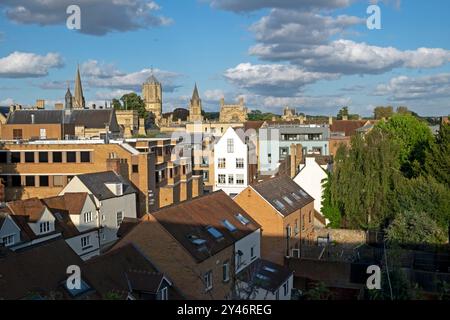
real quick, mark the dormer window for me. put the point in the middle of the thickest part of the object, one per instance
(44, 227)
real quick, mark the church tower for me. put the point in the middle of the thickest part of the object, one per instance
(78, 99)
(195, 108)
(152, 95)
(68, 105)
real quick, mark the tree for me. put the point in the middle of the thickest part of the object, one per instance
(414, 138)
(410, 227)
(403, 110)
(318, 292)
(132, 101)
(437, 158)
(363, 177)
(342, 113)
(330, 211)
(383, 112)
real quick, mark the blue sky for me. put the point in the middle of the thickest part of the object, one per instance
(315, 56)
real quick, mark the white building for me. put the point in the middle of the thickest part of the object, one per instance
(310, 179)
(114, 199)
(231, 168)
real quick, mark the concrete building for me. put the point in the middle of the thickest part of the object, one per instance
(275, 140)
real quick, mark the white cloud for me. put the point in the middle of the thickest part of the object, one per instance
(112, 94)
(7, 102)
(28, 65)
(98, 17)
(93, 68)
(273, 79)
(421, 88)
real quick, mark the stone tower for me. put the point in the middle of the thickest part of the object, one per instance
(69, 104)
(195, 108)
(78, 99)
(152, 95)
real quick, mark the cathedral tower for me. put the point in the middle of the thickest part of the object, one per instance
(195, 108)
(78, 99)
(69, 98)
(152, 95)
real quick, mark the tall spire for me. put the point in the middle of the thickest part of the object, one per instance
(78, 99)
(195, 95)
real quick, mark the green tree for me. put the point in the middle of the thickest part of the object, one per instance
(414, 138)
(411, 227)
(318, 292)
(330, 211)
(342, 113)
(383, 112)
(363, 177)
(132, 101)
(437, 159)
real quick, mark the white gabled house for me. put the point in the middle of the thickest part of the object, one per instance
(9, 230)
(231, 163)
(114, 197)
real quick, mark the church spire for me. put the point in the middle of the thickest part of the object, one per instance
(195, 95)
(78, 99)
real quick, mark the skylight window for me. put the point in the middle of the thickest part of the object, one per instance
(84, 287)
(196, 240)
(215, 233)
(295, 196)
(289, 201)
(269, 269)
(242, 219)
(229, 225)
(279, 204)
(262, 277)
(303, 193)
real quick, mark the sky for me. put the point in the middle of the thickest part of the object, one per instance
(312, 55)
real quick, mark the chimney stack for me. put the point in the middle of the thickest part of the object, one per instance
(330, 120)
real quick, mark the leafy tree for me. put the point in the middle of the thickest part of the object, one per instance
(383, 112)
(411, 227)
(330, 211)
(437, 159)
(363, 177)
(414, 138)
(342, 113)
(132, 101)
(257, 115)
(318, 292)
(116, 104)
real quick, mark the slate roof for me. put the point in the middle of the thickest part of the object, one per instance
(89, 118)
(188, 223)
(349, 127)
(95, 182)
(126, 226)
(265, 274)
(278, 189)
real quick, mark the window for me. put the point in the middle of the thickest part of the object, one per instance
(269, 158)
(230, 179)
(3, 157)
(239, 163)
(15, 157)
(310, 216)
(222, 163)
(85, 156)
(30, 181)
(279, 204)
(164, 294)
(135, 168)
(43, 157)
(288, 231)
(16, 181)
(239, 258)
(239, 179)
(17, 134)
(242, 219)
(288, 200)
(207, 278)
(221, 179)
(252, 253)
(44, 227)
(42, 134)
(119, 218)
(230, 145)
(8, 240)
(43, 181)
(29, 157)
(227, 224)
(215, 233)
(226, 271)
(205, 175)
(286, 288)
(57, 157)
(303, 222)
(296, 229)
(87, 217)
(85, 242)
(71, 156)
(58, 181)
(284, 152)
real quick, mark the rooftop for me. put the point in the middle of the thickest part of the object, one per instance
(96, 183)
